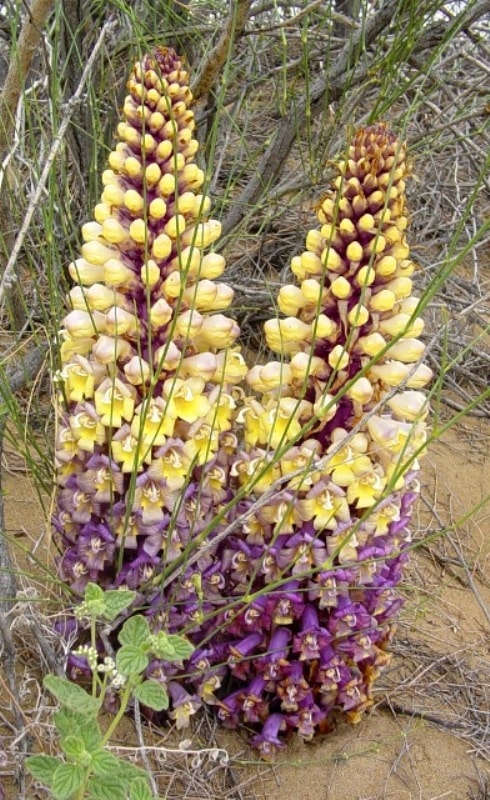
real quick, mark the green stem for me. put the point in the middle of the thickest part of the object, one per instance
(122, 710)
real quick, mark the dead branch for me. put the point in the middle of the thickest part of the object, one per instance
(19, 66)
(233, 27)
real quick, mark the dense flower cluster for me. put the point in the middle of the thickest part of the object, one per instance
(311, 471)
(148, 371)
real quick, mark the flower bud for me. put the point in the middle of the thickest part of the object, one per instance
(83, 324)
(114, 232)
(139, 232)
(279, 333)
(115, 273)
(386, 266)
(407, 350)
(212, 266)
(133, 201)
(150, 273)
(338, 358)
(91, 231)
(290, 299)
(160, 313)
(203, 234)
(162, 246)
(354, 252)
(175, 227)
(401, 324)
(366, 276)
(409, 406)
(137, 371)
(119, 322)
(341, 288)
(383, 300)
(167, 357)
(218, 331)
(84, 273)
(358, 315)
(202, 365)
(108, 350)
(361, 391)
(188, 324)
(372, 344)
(303, 365)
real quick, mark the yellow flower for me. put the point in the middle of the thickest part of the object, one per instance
(326, 508)
(185, 398)
(221, 412)
(173, 464)
(149, 497)
(87, 429)
(202, 444)
(128, 452)
(256, 471)
(369, 484)
(283, 419)
(114, 401)
(152, 422)
(79, 377)
(250, 415)
(285, 514)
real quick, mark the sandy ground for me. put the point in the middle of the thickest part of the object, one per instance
(428, 733)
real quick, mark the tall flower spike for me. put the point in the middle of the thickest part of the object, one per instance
(142, 355)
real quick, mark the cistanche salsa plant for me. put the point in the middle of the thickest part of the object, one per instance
(262, 512)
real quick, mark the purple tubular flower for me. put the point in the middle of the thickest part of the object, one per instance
(312, 637)
(254, 706)
(267, 741)
(293, 689)
(306, 719)
(184, 705)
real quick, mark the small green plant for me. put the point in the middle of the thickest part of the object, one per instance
(86, 770)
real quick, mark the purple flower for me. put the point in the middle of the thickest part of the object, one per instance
(312, 637)
(254, 706)
(184, 705)
(307, 718)
(293, 689)
(267, 741)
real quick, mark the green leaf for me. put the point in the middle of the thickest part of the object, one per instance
(42, 768)
(131, 660)
(107, 788)
(152, 695)
(72, 696)
(93, 602)
(87, 728)
(116, 601)
(140, 790)
(67, 779)
(93, 593)
(135, 631)
(74, 747)
(129, 771)
(170, 646)
(106, 765)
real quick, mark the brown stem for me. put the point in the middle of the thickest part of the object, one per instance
(233, 27)
(20, 64)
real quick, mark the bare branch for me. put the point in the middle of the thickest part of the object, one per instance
(9, 274)
(233, 27)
